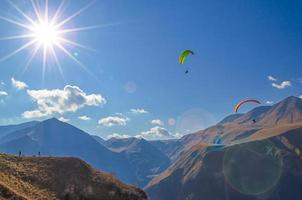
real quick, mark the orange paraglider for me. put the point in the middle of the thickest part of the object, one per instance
(244, 102)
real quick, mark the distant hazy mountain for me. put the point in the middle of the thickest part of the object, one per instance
(4, 130)
(99, 139)
(136, 163)
(168, 147)
(56, 138)
(51, 178)
(261, 160)
(146, 161)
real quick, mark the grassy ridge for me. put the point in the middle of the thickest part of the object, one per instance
(59, 178)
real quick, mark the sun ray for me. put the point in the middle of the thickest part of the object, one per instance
(14, 37)
(77, 44)
(57, 62)
(31, 57)
(74, 15)
(71, 56)
(85, 28)
(16, 23)
(58, 12)
(36, 10)
(46, 32)
(46, 12)
(18, 50)
(75, 60)
(44, 63)
(22, 13)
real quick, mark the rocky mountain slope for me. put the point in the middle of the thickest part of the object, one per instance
(260, 160)
(49, 178)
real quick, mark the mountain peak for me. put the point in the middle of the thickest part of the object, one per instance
(288, 110)
(291, 99)
(53, 119)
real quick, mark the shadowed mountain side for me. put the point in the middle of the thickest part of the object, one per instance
(25, 144)
(146, 161)
(168, 147)
(99, 140)
(4, 130)
(59, 178)
(121, 144)
(232, 174)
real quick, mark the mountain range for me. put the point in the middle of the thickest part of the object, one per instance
(260, 160)
(135, 164)
(260, 155)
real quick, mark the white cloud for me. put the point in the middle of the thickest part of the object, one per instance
(3, 93)
(155, 133)
(269, 102)
(271, 78)
(70, 99)
(33, 114)
(178, 135)
(139, 111)
(19, 84)
(63, 119)
(282, 85)
(157, 122)
(84, 118)
(300, 96)
(114, 121)
(118, 136)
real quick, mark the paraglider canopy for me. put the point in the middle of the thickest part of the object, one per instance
(244, 102)
(184, 55)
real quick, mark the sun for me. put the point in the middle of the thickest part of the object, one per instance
(45, 33)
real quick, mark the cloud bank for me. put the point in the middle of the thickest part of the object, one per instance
(69, 99)
(114, 121)
(282, 85)
(84, 118)
(138, 111)
(3, 93)
(157, 122)
(19, 85)
(156, 133)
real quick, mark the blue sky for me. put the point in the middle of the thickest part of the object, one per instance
(237, 46)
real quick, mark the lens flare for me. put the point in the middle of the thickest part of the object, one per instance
(253, 168)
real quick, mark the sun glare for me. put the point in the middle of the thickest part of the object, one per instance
(45, 32)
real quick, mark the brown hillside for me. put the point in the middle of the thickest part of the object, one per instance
(30, 178)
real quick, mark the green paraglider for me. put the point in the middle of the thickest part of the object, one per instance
(184, 55)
